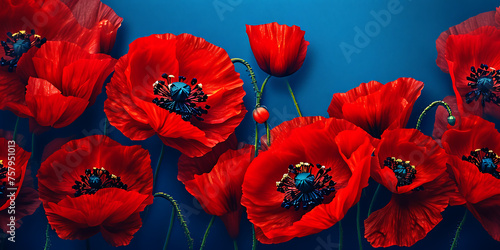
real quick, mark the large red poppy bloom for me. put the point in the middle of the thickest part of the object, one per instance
(490, 18)
(62, 81)
(375, 107)
(219, 189)
(307, 182)
(280, 50)
(474, 65)
(103, 191)
(180, 87)
(13, 168)
(474, 146)
(413, 167)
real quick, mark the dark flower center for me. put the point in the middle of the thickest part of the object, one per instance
(180, 98)
(403, 170)
(483, 81)
(3, 181)
(302, 188)
(17, 44)
(96, 179)
(485, 160)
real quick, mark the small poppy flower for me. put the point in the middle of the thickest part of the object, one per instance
(475, 147)
(103, 191)
(219, 189)
(280, 50)
(15, 178)
(490, 18)
(182, 88)
(307, 182)
(62, 81)
(413, 167)
(474, 65)
(375, 107)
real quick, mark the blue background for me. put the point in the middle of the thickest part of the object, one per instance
(405, 47)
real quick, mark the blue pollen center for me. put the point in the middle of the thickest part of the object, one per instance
(305, 182)
(487, 165)
(95, 182)
(21, 46)
(180, 91)
(400, 170)
(485, 84)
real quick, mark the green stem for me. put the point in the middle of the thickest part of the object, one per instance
(15, 129)
(256, 138)
(373, 199)
(254, 239)
(47, 238)
(341, 235)
(268, 134)
(451, 118)
(259, 97)
(106, 124)
(293, 97)
(251, 73)
(203, 242)
(235, 244)
(357, 225)
(457, 233)
(179, 216)
(88, 243)
(170, 226)
(157, 170)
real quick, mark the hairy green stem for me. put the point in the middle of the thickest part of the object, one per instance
(251, 73)
(170, 226)
(357, 225)
(268, 134)
(293, 97)
(179, 216)
(203, 242)
(373, 200)
(235, 244)
(451, 118)
(15, 129)
(47, 238)
(254, 239)
(256, 138)
(259, 97)
(454, 244)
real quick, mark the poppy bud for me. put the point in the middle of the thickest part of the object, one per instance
(260, 115)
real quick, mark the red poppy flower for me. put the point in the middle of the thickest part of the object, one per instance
(102, 191)
(375, 107)
(98, 17)
(198, 103)
(280, 50)
(280, 132)
(413, 167)
(219, 189)
(475, 146)
(13, 168)
(490, 18)
(474, 65)
(306, 183)
(62, 81)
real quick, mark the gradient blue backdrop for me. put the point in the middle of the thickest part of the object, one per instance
(404, 47)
